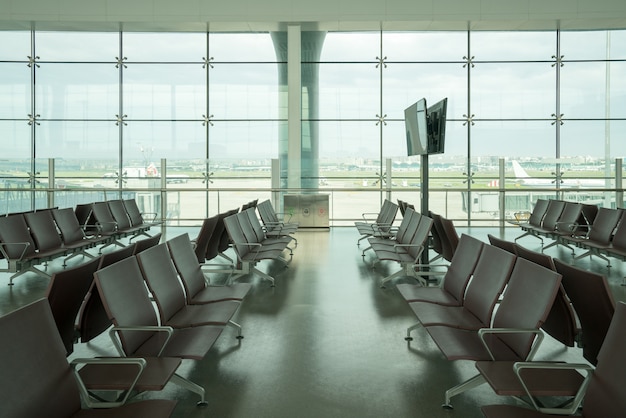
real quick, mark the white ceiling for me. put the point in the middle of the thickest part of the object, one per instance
(259, 15)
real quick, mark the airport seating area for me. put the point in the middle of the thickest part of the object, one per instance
(156, 304)
(154, 299)
(498, 313)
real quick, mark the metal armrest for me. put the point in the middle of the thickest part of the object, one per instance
(569, 227)
(152, 328)
(5, 244)
(89, 402)
(431, 272)
(285, 214)
(517, 367)
(375, 215)
(154, 215)
(538, 333)
(100, 224)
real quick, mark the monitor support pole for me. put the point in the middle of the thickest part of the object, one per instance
(424, 189)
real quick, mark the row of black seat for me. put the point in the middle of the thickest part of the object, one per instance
(251, 240)
(405, 243)
(30, 239)
(599, 231)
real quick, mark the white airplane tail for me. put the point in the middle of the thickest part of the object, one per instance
(520, 173)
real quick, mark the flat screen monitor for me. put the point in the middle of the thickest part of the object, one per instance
(416, 126)
(437, 127)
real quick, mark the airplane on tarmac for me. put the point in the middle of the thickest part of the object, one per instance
(524, 179)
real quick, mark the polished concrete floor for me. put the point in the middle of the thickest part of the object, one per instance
(326, 341)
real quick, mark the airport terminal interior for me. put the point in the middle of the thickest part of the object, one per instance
(474, 112)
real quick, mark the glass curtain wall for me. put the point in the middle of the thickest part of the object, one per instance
(189, 122)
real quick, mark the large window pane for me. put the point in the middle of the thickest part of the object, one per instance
(593, 139)
(241, 47)
(349, 91)
(251, 140)
(15, 89)
(77, 91)
(356, 140)
(583, 90)
(77, 46)
(14, 46)
(404, 84)
(164, 47)
(165, 91)
(513, 139)
(424, 46)
(77, 140)
(512, 46)
(16, 137)
(351, 46)
(244, 91)
(149, 142)
(587, 45)
(513, 90)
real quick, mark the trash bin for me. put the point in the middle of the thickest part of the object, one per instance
(308, 210)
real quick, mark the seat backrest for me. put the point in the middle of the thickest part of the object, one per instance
(213, 246)
(536, 257)
(619, 236)
(83, 212)
(602, 229)
(436, 231)
(384, 210)
(508, 246)
(387, 215)
(526, 302)
(186, 264)
(66, 292)
(125, 299)
(225, 238)
(246, 227)
(569, 217)
(160, 275)
(70, 228)
(44, 230)
(111, 257)
(421, 235)
(13, 229)
(589, 212)
(404, 227)
(93, 319)
(462, 266)
(205, 235)
(235, 232)
(413, 219)
(36, 379)
(255, 224)
(266, 211)
(583, 287)
(555, 208)
(118, 210)
(103, 216)
(488, 282)
(402, 205)
(561, 321)
(539, 211)
(136, 218)
(451, 240)
(144, 244)
(605, 393)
